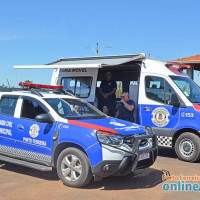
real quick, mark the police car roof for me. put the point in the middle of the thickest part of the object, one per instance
(44, 94)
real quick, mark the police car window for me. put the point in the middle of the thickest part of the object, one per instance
(79, 86)
(73, 108)
(31, 109)
(155, 88)
(7, 105)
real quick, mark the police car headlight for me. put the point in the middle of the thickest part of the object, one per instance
(113, 140)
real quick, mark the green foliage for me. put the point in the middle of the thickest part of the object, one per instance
(28, 81)
(3, 86)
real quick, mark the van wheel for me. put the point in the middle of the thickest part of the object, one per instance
(187, 147)
(73, 168)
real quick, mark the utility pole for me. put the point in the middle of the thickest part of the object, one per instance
(8, 83)
(97, 49)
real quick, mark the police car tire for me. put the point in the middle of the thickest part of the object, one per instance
(86, 174)
(187, 136)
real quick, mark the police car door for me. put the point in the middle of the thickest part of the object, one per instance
(34, 139)
(7, 122)
(155, 108)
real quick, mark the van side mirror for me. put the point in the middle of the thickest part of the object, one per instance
(174, 101)
(44, 118)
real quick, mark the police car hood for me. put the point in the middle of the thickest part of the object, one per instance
(111, 125)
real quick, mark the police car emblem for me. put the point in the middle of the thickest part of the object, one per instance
(160, 117)
(34, 130)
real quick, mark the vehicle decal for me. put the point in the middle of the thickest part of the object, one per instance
(116, 123)
(160, 117)
(196, 107)
(34, 141)
(25, 153)
(164, 141)
(187, 114)
(102, 129)
(34, 130)
(61, 126)
(6, 131)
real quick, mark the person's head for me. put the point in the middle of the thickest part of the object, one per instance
(105, 110)
(125, 96)
(108, 76)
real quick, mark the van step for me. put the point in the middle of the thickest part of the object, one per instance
(25, 163)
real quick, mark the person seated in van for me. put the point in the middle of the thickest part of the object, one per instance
(126, 107)
(105, 110)
(107, 90)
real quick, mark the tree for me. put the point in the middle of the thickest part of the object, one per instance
(3, 86)
(28, 81)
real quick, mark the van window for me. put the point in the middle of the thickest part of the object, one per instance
(134, 82)
(158, 89)
(188, 88)
(79, 86)
(7, 105)
(119, 89)
(155, 88)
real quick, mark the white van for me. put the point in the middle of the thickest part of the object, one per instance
(166, 98)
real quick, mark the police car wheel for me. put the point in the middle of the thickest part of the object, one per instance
(73, 168)
(187, 147)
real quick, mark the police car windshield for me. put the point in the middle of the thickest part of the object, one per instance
(188, 87)
(74, 108)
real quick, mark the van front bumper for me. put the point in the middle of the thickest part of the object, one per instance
(131, 160)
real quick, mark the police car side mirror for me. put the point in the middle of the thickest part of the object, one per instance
(174, 101)
(44, 118)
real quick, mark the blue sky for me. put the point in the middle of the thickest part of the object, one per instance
(36, 32)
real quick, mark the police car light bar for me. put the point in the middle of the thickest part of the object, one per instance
(177, 65)
(31, 85)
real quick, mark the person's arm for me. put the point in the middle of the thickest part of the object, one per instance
(112, 92)
(101, 91)
(128, 106)
(117, 114)
(114, 89)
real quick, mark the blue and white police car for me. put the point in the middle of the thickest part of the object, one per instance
(44, 128)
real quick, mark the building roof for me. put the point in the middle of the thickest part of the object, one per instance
(190, 59)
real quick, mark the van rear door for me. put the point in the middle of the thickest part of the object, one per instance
(79, 81)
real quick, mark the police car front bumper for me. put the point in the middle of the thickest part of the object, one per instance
(139, 157)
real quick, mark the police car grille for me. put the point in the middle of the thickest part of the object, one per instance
(143, 142)
(129, 140)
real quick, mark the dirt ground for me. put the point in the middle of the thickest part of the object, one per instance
(18, 182)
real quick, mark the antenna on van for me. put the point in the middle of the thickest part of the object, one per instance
(97, 49)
